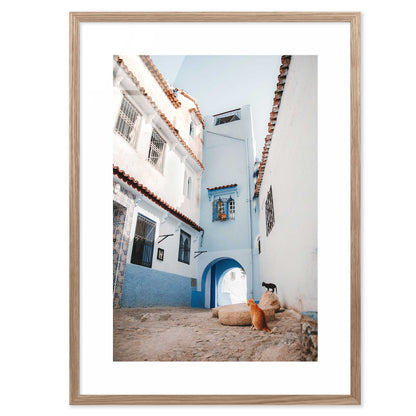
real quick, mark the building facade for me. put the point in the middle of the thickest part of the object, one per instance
(286, 188)
(157, 170)
(227, 216)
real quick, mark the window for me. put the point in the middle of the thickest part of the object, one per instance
(192, 130)
(223, 210)
(184, 247)
(227, 117)
(231, 208)
(189, 188)
(144, 237)
(269, 212)
(128, 116)
(156, 150)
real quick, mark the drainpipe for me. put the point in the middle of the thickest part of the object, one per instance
(250, 294)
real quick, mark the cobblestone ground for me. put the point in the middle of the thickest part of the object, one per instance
(189, 334)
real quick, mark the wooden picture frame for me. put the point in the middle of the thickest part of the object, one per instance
(353, 19)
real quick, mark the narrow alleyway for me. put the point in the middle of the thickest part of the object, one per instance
(189, 334)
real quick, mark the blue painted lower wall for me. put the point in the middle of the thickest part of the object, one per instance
(145, 287)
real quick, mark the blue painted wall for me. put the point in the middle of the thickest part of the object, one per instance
(228, 157)
(144, 287)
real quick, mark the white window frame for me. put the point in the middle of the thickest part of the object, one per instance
(160, 161)
(125, 117)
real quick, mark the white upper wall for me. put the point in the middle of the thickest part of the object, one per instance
(289, 253)
(178, 166)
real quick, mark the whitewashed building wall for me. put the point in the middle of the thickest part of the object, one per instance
(289, 253)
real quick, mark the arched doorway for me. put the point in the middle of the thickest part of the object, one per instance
(232, 287)
(216, 286)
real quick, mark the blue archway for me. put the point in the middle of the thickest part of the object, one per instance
(214, 271)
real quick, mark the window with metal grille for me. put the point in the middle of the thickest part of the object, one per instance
(184, 247)
(269, 212)
(144, 237)
(128, 116)
(227, 117)
(231, 208)
(156, 150)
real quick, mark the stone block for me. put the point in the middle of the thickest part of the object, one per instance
(239, 314)
(269, 300)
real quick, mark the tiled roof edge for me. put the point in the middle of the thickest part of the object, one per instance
(280, 86)
(129, 180)
(197, 111)
(160, 80)
(222, 187)
(162, 115)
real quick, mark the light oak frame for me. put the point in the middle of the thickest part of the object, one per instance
(354, 19)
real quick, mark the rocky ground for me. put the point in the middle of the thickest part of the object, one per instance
(189, 334)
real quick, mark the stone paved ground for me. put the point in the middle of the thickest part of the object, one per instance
(189, 334)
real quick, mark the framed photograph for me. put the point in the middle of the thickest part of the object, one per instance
(233, 202)
(160, 254)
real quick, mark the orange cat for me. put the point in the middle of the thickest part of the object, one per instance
(258, 318)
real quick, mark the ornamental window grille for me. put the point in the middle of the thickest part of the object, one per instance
(269, 212)
(184, 254)
(223, 210)
(144, 238)
(156, 150)
(231, 208)
(227, 117)
(128, 117)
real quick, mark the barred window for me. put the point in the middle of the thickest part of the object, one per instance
(231, 208)
(128, 116)
(269, 212)
(156, 150)
(184, 254)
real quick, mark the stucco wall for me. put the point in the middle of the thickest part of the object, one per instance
(289, 252)
(165, 224)
(228, 158)
(144, 287)
(178, 163)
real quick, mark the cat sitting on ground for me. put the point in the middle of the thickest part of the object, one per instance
(270, 286)
(258, 318)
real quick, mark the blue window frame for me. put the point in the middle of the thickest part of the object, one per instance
(223, 210)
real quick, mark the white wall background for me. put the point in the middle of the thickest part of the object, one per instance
(34, 305)
(289, 252)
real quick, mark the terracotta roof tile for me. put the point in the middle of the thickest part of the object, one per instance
(196, 110)
(129, 180)
(162, 115)
(284, 69)
(222, 187)
(160, 80)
